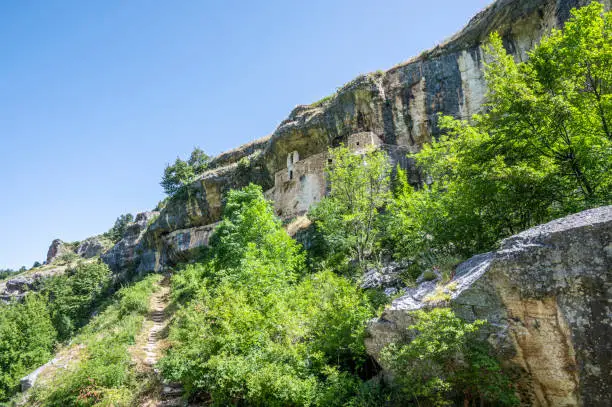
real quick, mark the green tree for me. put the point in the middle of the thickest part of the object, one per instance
(198, 160)
(348, 217)
(74, 295)
(118, 230)
(182, 172)
(27, 337)
(248, 219)
(6, 273)
(176, 176)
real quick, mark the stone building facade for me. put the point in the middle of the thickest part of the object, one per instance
(303, 183)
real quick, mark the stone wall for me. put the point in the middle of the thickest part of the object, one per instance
(302, 183)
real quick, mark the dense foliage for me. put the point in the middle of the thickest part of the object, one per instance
(4, 273)
(27, 337)
(349, 216)
(183, 172)
(30, 329)
(256, 330)
(73, 296)
(445, 361)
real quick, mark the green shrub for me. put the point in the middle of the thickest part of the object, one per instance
(429, 275)
(446, 361)
(67, 258)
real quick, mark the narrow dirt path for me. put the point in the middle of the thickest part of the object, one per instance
(150, 346)
(159, 302)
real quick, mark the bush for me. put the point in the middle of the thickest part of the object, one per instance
(4, 273)
(445, 361)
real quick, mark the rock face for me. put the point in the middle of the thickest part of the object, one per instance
(92, 247)
(546, 294)
(121, 257)
(395, 110)
(56, 249)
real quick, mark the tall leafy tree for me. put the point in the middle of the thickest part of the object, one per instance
(183, 172)
(121, 223)
(359, 189)
(27, 337)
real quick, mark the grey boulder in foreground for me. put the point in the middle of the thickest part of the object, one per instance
(546, 294)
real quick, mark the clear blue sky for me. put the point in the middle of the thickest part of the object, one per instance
(97, 96)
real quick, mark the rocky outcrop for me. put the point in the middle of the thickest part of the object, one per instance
(16, 287)
(92, 247)
(399, 108)
(546, 294)
(56, 249)
(88, 248)
(132, 253)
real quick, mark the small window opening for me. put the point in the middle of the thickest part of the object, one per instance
(290, 175)
(357, 143)
(329, 160)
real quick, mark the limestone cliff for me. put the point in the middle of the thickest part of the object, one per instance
(546, 296)
(395, 110)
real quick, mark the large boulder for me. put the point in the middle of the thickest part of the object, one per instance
(546, 294)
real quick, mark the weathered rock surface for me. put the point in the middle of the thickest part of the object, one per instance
(546, 294)
(56, 249)
(16, 287)
(388, 276)
(92, 247)
(122, 257)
